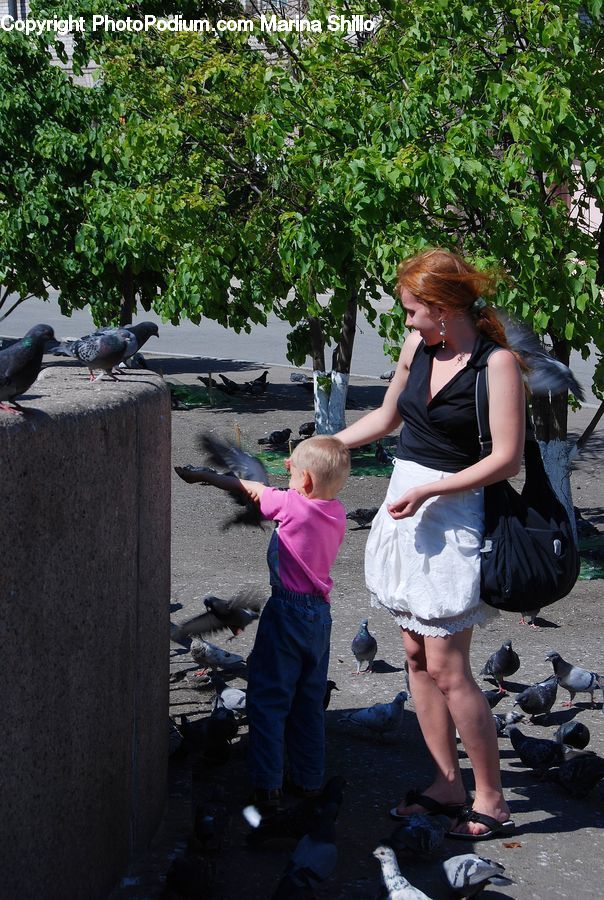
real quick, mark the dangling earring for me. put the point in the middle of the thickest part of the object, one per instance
(443, 333)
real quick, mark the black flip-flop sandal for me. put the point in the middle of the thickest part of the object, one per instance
(431, 806)
(496, 828)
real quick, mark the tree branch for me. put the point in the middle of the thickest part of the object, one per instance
(591, 427)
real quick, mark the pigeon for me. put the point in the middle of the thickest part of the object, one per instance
(257, 386)
(381, 718)
(228, 385)
(104, 349)
(331, 686)
(576, 680)
(382, 455)
(397, 886)
(142, 331)
(534, 753)
(501, 664)
(387, 376)
(307, 429)
(276, 438)
(468, 874)
(20, 365)
(573, 734)
(531, 614)
(420, 834)
(579, 775)
(228, 697)
(364, 647)
(243, 465)
(539, 698)
(493, 697)
(210, 656)
(362, 516)
(502, 721)
(299, 378)
(233, 614)
(315, 856)
(547, 375)
(208, 381)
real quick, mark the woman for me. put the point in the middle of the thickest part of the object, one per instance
(422, 559)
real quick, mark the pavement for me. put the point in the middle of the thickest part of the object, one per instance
(554, 852)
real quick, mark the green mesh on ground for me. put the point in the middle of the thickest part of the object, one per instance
(193, 396)
(591, 550)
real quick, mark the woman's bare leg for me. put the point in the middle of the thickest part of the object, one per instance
(436, 724)
(448, 665)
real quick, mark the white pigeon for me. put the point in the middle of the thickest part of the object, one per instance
(381, 718)
(397, 886)
(212, 657)
(228, 697)
(469, 874)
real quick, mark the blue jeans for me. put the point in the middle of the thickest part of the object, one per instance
(286, 687)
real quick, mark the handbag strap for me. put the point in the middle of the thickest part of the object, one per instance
(481, 399)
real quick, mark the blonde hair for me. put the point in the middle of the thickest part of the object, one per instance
(327, 458)
(441, 278)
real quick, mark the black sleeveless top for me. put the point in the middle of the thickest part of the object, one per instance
(441, 434)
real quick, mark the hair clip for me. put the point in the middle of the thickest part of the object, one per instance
(478, 304)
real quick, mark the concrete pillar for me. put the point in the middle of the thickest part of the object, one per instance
(84, 631)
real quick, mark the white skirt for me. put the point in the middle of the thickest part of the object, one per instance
(425, 569)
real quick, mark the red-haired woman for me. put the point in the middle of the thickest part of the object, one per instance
(422, 558)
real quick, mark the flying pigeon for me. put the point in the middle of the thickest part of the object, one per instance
(364, 647)
(468, 874)
(547, 375)
(397, 886)
(539, 698)
(257, 386)
(227, 697)
(233, 614)
(20, 365)
(243, 465)
(538, 754)
(276, 438)
(573, 734)
(381, 718)
(209, 656)
(576, 680)
(501, 664)
(420, 834)
(315, 856)
(579, 775)
(362, 516)
(502, 721)
(103, 349)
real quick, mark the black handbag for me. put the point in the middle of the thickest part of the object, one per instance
(529, 557)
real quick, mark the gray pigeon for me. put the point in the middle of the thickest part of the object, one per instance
(232, 614)
(501, 664)
(538, 754)
(276, 438)
(576, 680)
(397, 886)
(420, 834)
(363, 517)
(315, 856)
(256, 386)
(210, 656)
(142, 331)
(103, 349)
(502, 721)
(579, 775)
(227, 697)
(20, 365)
(364, 647)
(468, 874)
(381, 718)
(573, 734)
(539, 698)
(546, 375)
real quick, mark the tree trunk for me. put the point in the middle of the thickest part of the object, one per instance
(317, 344)
(331, 388)
(127, 299)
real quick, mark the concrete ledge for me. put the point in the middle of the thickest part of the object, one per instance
(84, 625)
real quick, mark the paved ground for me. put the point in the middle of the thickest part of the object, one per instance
(556, 852)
